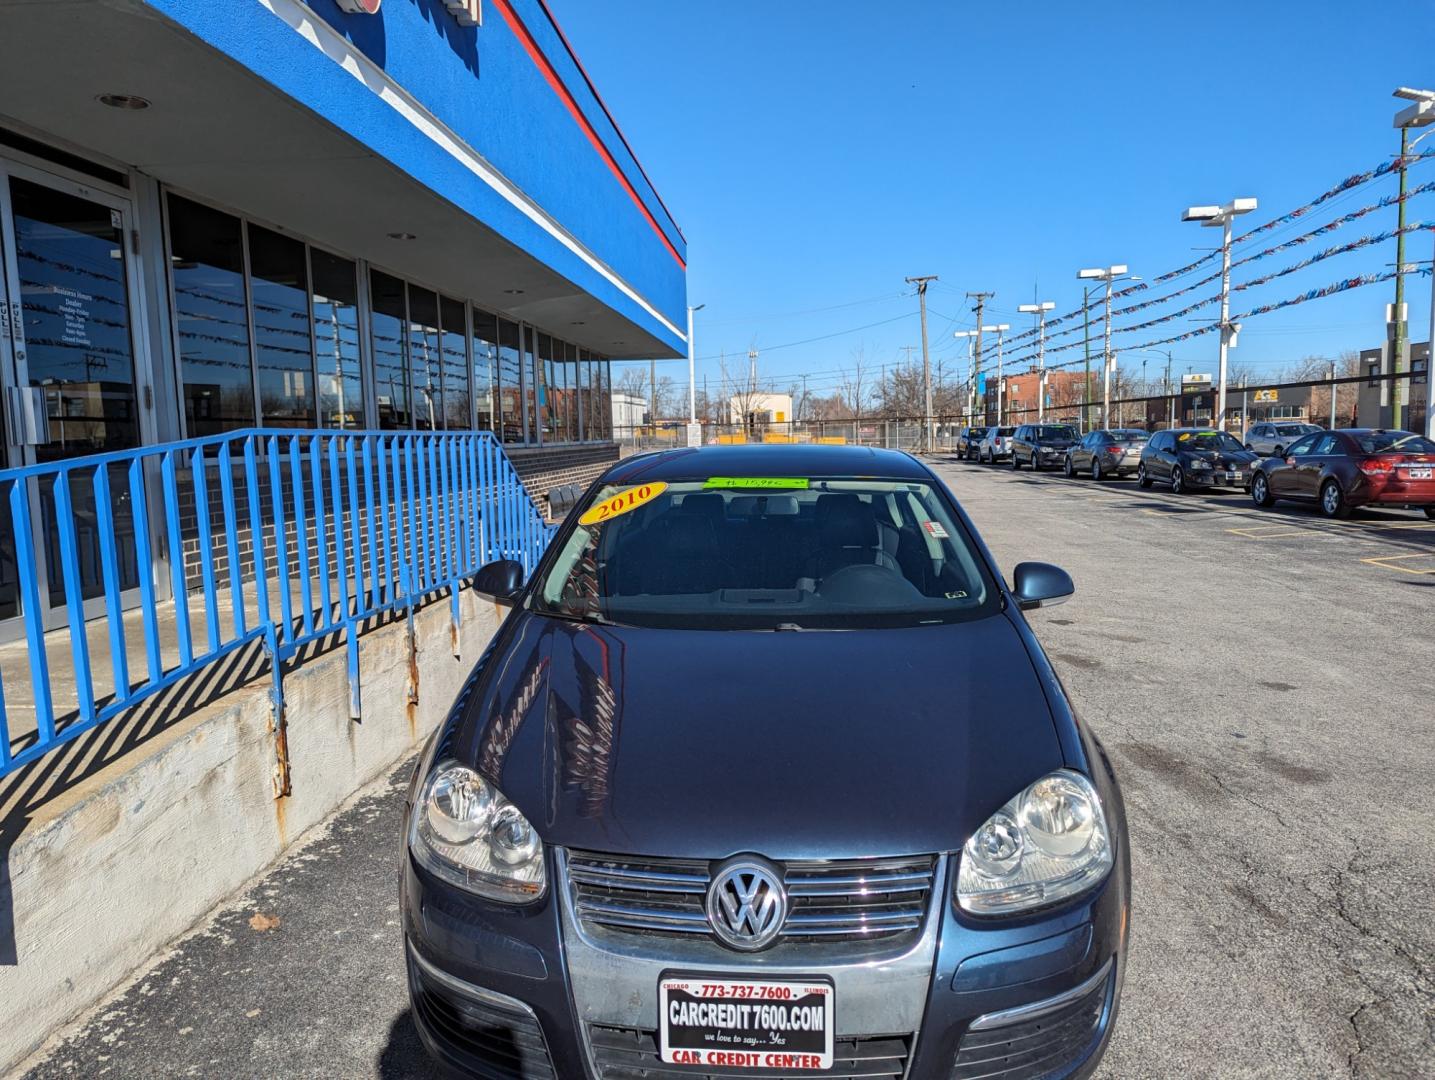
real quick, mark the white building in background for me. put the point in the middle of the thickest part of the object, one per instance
(760, 408)
(630, 411)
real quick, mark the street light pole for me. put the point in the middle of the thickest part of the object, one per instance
(1108, 275)
(1086, 348)
(1419, 114)
(1039, 310)
(1001, 329)
(1222, 217)
(692, 376)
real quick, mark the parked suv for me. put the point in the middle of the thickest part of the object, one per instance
(1041, 445)
(1190, 458)
(968, 441)
(995, 444)
(1273, 438)
(650, 841)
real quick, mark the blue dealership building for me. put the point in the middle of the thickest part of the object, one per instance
(365, 214)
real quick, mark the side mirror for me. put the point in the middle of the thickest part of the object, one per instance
(1039, 584)
(502, 580)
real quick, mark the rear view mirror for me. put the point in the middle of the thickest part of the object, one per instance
(502, 580)
(1039, 584)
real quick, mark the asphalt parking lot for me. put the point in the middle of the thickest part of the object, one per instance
(1262, 679)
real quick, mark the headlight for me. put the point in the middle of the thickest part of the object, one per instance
(1048, 843)
(1200, 463)
(463, 830)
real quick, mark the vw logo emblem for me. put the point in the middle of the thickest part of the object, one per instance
(747, 903)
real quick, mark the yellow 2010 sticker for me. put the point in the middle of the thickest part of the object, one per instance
(627, 499)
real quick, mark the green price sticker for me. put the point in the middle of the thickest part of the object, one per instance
(757, 483)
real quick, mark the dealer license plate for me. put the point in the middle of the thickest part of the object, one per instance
(1235, 476)
(1422, 474)
(744, 1023)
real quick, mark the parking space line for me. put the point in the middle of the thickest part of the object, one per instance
(1270, 532)
(1386, 524)
(1385, 561)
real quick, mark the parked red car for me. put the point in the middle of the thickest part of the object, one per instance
(1343, 469)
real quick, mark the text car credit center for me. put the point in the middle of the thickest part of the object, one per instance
(763, 774)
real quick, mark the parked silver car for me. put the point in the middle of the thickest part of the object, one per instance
(1271, 439)
(995, 445)
(1106, 453)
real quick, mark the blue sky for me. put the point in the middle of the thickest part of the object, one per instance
(816, 154)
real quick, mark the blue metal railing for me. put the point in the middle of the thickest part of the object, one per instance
(279, 537)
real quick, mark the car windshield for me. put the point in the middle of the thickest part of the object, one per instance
(1394, 442)
(1126, 438)
(1004, 431)
(1207, 440)
(1295, 429)
(730, 553)
(1056, 433)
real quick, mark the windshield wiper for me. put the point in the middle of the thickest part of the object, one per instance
(597, 618)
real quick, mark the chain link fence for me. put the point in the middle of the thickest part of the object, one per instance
(1366, 400)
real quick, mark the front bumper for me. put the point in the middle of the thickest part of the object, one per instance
(531, 993)
(1220, 478)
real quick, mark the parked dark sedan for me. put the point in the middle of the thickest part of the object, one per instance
(765, 773)
(1192, 458)
(1351, 467)
(1113, 452)
(968, 441)
(1041, 445)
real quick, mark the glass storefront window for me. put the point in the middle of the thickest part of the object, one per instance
(532, 377)
(283, 349)
(336, 340)
(605, 398)
(565, 382)
(424, 364)
(388, 330)
(70, 254)
(207, 271)
(485, 370)
(543, 376)
(510, 367)
(583, 399)
(457, 408)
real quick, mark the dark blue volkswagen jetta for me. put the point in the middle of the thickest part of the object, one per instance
(765, 774)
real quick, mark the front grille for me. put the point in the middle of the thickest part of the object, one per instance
(848, 900)
(1036, 1048)
(492, 1041)
(632, 1054)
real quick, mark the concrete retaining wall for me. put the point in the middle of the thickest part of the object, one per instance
(101, 877)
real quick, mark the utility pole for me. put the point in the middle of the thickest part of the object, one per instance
(1039, 310)
(1397, 348)
(922, 283)
(1333, 388)
(981, 298)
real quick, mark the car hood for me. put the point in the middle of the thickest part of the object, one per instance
(805, 744)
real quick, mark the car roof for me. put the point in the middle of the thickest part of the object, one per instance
(800, 459)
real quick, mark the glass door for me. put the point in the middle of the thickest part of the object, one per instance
(72, 287)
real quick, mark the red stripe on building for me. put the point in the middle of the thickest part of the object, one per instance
(541, 61)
